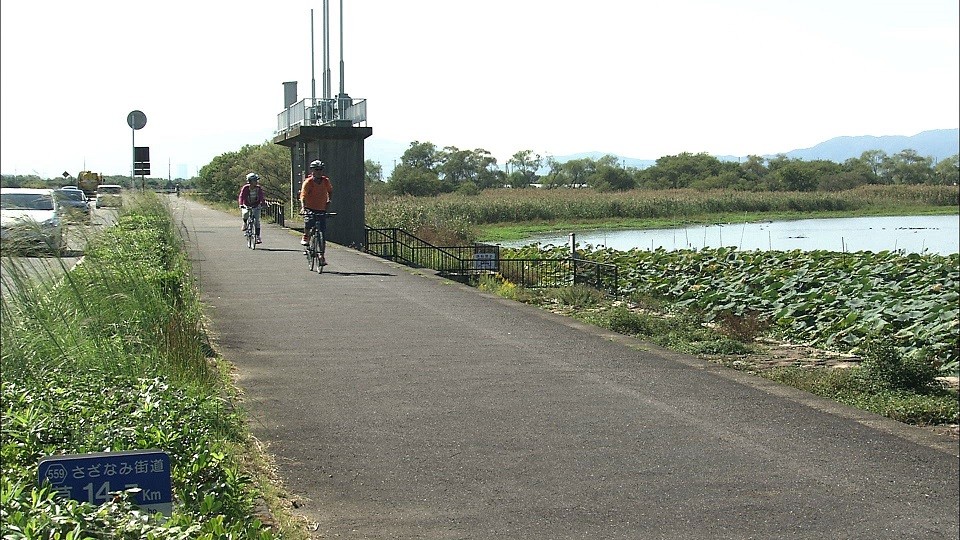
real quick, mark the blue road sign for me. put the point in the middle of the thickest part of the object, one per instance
(93, 477)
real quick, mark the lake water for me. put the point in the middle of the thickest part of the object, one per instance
(911, 234)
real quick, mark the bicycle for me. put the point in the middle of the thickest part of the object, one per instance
(250, 232)
(316, 245)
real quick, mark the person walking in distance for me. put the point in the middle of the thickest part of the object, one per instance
(315, 194)
(251, 198)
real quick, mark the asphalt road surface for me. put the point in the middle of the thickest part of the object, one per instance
(400, 405)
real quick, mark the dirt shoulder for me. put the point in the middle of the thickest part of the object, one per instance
(778, 354)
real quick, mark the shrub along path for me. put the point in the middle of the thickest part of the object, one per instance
(397, 404)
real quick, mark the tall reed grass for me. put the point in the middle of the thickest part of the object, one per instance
(458, 215)
(129, 306)
(112, 355)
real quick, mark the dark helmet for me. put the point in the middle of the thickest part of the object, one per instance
(317, 164)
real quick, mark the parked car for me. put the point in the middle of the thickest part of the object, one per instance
(29, 220)
(74, 205)
(109, 195)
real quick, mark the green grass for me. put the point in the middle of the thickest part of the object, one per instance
(930, 407)
(110, 356)
(887, 383)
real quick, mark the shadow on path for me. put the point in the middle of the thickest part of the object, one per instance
(335, 273)
(280, 250)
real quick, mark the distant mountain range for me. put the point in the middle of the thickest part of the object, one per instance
(937, 143)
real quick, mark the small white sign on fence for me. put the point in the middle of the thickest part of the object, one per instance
(484, 261)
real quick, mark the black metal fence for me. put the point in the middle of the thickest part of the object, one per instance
(399, 245)
(478, 259)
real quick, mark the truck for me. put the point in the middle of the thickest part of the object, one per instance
(89, 181)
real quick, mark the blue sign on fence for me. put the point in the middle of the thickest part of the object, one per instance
(93, 477)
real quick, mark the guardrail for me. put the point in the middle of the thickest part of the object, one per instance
(464, 262)
(322, 111)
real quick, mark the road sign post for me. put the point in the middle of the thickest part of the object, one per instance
(136, 120)
(141, 160)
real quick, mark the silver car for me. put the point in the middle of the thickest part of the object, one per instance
(30, 220)
(73, 205)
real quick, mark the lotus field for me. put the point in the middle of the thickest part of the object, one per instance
(832, 300)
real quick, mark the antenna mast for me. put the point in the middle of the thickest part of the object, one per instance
(326, 50)
(342, 93)
(313, 77)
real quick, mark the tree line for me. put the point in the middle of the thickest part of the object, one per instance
(221, 179)
(425, 170)
(35, 181)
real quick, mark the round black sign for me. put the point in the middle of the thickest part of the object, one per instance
(136, 119)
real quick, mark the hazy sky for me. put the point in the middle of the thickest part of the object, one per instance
(642, 79)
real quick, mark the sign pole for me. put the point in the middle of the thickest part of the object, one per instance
(136, 120)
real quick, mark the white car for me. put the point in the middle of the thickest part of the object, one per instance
(30, 220)
(109, 195)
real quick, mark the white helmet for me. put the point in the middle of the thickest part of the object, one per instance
(316, 164)
(253, 177)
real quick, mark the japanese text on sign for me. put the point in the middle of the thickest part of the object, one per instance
(95, 477)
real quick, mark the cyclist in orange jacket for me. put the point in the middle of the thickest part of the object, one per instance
(315, 194)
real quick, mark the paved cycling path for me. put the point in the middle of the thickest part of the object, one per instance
(400, 405)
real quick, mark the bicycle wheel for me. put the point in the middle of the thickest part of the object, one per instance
(254, 227)
(313, 253)
(306, 253)
(321, 249)
(251, 240)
